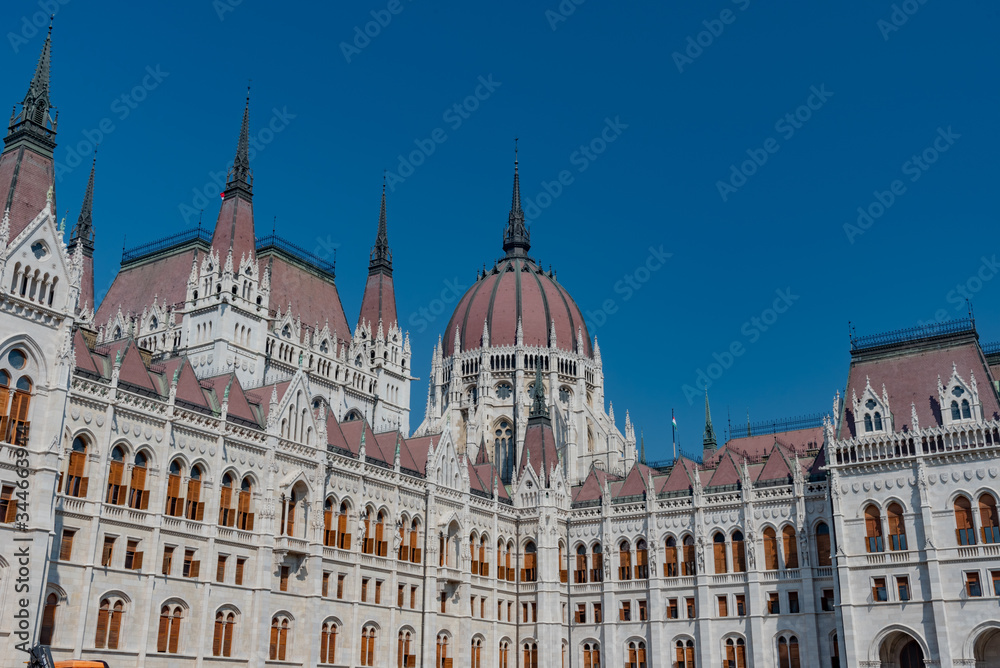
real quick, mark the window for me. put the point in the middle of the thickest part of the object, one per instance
(903, 587)
(340, 585)
(685, 654)
(873, 529)
(168, 558)
(995, 576)
(413, 597)
(624, 561)
(195, 508)
(244, 518)
(220, 569)
(670, 559)
(406, 657)
(788, 652)
(48, 620)
(133, 557)
(773, 604)
(625, 611)
(597, 564)
(175, 504)
(529, 572)
(641, 560)
(192, 567)
(741, 605)
(415, 542)
(897, 527)
(443, 660)
(736, 653)
(477, 653)
(277, 649)
(138, 495)
(8, 504)
(879, 592)
(790, 547)
(823, 551)
(723, 606)
(169, 634)
(109, 624)
(689, 562)
(770, 549)
(240, 564)
(827, 602)
(444, 605)
(530, 655)
(972, 584)
(222, 638)
(368, 646)
(581, 613)
(598, 616)
(328, 643)
(400, 596)
(672, 608)
(636, 655)
(643, 614)
(719, 552)
(504, 654)
(989, 519)
(116, 471)
(580, 572)
(378, 592)
(108, 552)
(689, 604)
(66, 544)
(963, 521)
(591, 655)
(15, 426)
(364, 589)
(283, 582)
(76, 483)
(793, 602)
(739, 553)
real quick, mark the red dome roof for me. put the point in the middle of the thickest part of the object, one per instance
(517, 287)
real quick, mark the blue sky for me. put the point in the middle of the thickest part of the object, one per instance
(892, 108)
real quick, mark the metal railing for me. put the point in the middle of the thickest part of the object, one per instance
(154, 247)
(884, 339)
(273, 241)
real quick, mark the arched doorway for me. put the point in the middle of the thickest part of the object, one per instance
(987, 649)
(901, 650)
(910, 656)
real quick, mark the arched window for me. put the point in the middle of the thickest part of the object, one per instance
(76, 483)
(484, 566)
(116, 471)
(381, 544)
(404, 652)
(278, 647)
(530, 571)
(530, 655)
(966, 409)
(504, 449)
(788, 652)
(503, 658)
(222, 638)
(873, 529)
(329, 525)
(684, 654)
(580, 572)
(14, 426)
(442, 652)
(770, 549)
(169, 634)
(988, 518)
(244, 514)
(415, 550)
(195, 509)
(897, 527)
(597, 563)
(963, 521)
(719, 552)
(739, 552)
(688, 563)
(368, 543)
(48, 620)
(175, 503)
(624, 561)
(641, 560)
(227, 514)
(868, 422)
(591, 655)
(790, 547)
(878, 421)
(473, 554)
(736, 653)
(328, 643)
(636, 655)
(955, 412)
(670, 558)
(138, 495)
(109, 624)
(477, 653)
(824, 555)
(368, 646)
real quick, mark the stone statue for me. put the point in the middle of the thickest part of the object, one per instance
(701, 552)
(397, 538)
(361, 528)
(607, 568)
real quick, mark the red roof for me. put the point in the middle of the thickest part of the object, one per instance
(518, 289)
(135, 287)
(726, 473)
(313, 297)
(379, 302)
(234, 228)
(776, 467)
(539, 449)
(30, 175)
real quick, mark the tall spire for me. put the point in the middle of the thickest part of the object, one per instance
(708, 441)
(35, 123)
(381, 256)
(240, 174)
(516, 238)
(234, 228)
(83, 231)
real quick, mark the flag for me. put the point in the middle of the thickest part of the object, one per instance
(675, 423)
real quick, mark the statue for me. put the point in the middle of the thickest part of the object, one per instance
(361, 528)
(397, 538)
(701, 552)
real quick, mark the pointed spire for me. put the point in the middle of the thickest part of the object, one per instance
(35, 119)
(83, 231)
(642, 449)
(240, 174)
(708, 441)
(516, 238)
(381, 256)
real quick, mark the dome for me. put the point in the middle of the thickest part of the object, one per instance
(517, 287)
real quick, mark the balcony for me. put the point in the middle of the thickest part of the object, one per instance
(729, 578)
(291, 545)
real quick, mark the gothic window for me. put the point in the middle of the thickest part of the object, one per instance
(343, 535)
(415, 541)
(719, 552)
(505, 450)
(790, 547)
(591, 655)
(116, 471)
(169, 634)
(324, 347)
(564, 395)
(76, 483)
(966, 410)
(868, 422)
(878, 421)
(788, 652)
(404, 651)
(504, 655)
(443, 661)
(109, 623)
(328, 642)
(739, 552)
(175, 502)
(329, 525)
(688, 564)
(770, 549)
(477, 653)
(530, 655)
(48, 619)
(988, 518)
(873, 529)
(138, 495)
(897, 527)
(195, 507)
(963, 521)
(580, 572)
(530, 571)
(636, 655)
(222, 637)
(624, 561)
(597, 561)
(684, 654)
(14, 423)
(670, 558)
(823, 544)
(368, 646)
(736, 653)
(244, 516)
(641, 560)
(278, 646)
(352, 416)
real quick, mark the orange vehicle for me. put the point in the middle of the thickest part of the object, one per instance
(79, 663)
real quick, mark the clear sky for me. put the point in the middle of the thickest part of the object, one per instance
(891, 107)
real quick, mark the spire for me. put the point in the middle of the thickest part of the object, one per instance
(708, 441)
(240, 174)
(539, 409)
(35, 120)
(381, 256)
(642, 448)
(516, 238)
(83, 231)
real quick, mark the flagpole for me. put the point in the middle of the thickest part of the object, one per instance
(673, 432)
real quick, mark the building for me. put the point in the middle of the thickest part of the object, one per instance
(219, 471)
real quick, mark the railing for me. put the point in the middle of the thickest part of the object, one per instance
(291, 544)
(930, 330)
(593, 503)
(896, 445)
(414, 473)
(777, 426)
(634, 498)
(272, 241)
(729, 578)
(785, 574)
(823, 572)
(154, 247)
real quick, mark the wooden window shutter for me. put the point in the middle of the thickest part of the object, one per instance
(220, 570)
(689, 656)
(282, 639)
(175, 632)
(164, 631)
(739, 556)
(641, 655)
(793, 654)
(217, 635)
(680, 657)
(741, 656)
(4, 399)
(66, 547)
(137, 561)
(783, 653)
(239, 571)
(84, 485)
(138, 496)
(195, 569)
(790, 548)
(720, 557)
(9, 502)
(770, 550)
(115, 625)
(284, 579)
(723, 606)
(823, 549)
(273, 645)
(670, 562)
(344, 537)
(225, 506)
(108, 551)
(102, 626)
(114, 495)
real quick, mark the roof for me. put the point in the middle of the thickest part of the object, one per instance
(539, 450)
(379, 302)
(313, 296)
(162, 277)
